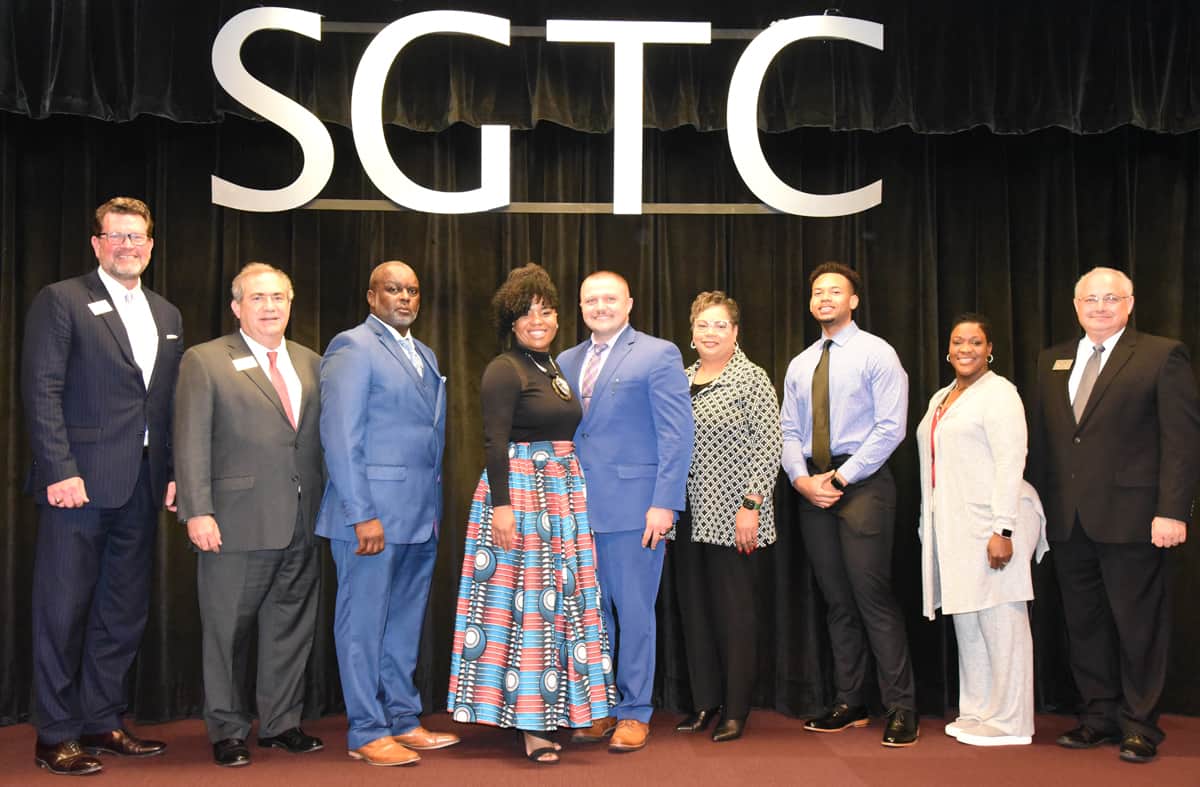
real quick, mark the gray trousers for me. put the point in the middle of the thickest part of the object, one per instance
(277, 590)
(995, 667)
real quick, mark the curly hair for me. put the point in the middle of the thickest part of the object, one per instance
(715, 298)
(523, 286)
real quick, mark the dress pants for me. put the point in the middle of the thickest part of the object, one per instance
(381, 601)
(850, 547)
(277, 590)
(995, 667)
(628, 575)
(1118, 620)
(91, 596)
(716, 604)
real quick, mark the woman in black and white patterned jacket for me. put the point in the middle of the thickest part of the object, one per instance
(730, 514)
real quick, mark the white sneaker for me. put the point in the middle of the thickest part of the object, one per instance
(985, 735)
(959, 726)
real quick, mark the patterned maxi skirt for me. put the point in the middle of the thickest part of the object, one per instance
(530, 649)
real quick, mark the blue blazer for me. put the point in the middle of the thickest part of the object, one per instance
(383, 430)
(635, 441)
(86, 403)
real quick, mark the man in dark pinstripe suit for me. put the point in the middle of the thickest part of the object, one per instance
(100, 358)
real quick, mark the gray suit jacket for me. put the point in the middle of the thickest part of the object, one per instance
(236, 455)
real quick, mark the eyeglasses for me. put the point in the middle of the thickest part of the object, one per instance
(720, 326)
(1107, 299)
(118, 238)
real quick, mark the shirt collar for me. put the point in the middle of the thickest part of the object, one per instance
(848, 332)
(1108, 343)
(260, 351)
(613, 341)
(395, 333)
(116, 290)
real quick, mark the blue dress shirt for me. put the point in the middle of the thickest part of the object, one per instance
(868, 404)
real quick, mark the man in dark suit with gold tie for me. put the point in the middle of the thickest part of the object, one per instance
(1115, 455)
(99, 363)
(248, 463)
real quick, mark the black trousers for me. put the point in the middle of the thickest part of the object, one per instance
(716, 603)
(850, 546)
(1118, 620)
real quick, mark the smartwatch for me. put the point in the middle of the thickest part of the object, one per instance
(837, 483)
(750, 504)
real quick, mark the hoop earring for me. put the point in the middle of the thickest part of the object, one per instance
(991, 357)
(693, 344)
(947, 357)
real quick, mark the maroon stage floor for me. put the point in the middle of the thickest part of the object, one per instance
(775, 751)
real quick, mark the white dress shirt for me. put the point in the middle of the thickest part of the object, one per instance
(134, 311)
(1083, 353)
(283, 363)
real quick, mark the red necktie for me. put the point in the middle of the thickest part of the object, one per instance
(280, 387)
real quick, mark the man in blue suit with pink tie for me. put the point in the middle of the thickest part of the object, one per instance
(635, 446)
(383, 429)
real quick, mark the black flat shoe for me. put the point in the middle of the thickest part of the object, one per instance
(295, 741)
(903, 728)
(839, 718)
(231, 753)
(728, 730)
(1085, 737)
(1135, 748)
(698, 721)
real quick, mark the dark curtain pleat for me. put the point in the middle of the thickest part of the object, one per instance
(972, 221)
(947, 66)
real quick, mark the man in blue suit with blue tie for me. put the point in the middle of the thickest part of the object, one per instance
(635, 446)
(383, 429)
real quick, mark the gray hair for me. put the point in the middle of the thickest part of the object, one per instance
(254, 269)
(1128, 282)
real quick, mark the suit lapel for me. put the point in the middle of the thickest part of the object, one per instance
(111, 319)
(238, 348)
(1121, 353)
(616, 356)
(393, 348)
(309, 385)
(159, 311)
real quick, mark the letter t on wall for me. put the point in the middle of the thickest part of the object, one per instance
(628, 39)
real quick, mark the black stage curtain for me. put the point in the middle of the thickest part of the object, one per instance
(947, 66)
(998, 224)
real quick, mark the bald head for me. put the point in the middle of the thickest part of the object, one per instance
(605, 303)
(394, 294)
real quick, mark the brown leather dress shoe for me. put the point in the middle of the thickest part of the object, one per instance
(121, 741)
(385, 751)
(600, 729)
(421, 739)
(65, 759)
(630, 735)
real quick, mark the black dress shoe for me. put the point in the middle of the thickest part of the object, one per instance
(697, 721)
(231, 752)
(839, 718)
(1135, 748)
(65, 759)
(121, 741)
(903, 728)
(729, 730)
(1085, 737)
(295, 740)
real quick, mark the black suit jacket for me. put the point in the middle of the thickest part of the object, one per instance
(86, 404)
(236, 454)
(1134, 455)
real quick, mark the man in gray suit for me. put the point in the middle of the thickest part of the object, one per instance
(248, 471)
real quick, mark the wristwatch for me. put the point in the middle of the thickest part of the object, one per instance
(751, 504)
(1005, 533)
(837, 483)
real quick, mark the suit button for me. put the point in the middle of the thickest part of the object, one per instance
(1077, 441)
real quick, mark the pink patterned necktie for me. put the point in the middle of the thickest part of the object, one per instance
(281, 387)
(591, 370)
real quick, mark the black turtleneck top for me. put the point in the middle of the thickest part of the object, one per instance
(520, 405)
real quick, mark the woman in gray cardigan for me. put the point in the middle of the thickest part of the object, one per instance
(980, 525)
(735, 460)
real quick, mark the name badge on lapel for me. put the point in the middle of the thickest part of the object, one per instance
(242, 364)
(1062, 364)
(100, 307)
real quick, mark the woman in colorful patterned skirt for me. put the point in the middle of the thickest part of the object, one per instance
(530, 650)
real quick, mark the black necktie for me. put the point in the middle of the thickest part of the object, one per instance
(820, 408)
